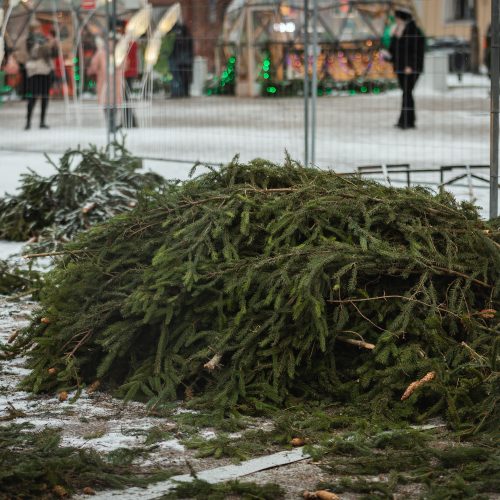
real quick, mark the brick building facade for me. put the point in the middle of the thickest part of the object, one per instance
(204, 18)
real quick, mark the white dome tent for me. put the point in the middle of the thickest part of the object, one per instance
(250, 26)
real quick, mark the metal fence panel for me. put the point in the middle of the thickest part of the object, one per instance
(247, 91)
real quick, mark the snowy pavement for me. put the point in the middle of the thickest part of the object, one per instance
(102, 423)
(351, 130)
(453, 129)
(95, 421)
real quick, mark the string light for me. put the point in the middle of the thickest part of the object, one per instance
(225, 83)
(265, 74)
(76, 69)
(346, 71)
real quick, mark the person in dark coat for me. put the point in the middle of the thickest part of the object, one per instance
(407, 55)
(181, 61)
(39, 67)
(487, 51)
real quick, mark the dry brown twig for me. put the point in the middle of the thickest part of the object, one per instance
(320, 495)
(415, 385)
(93, 386)
(51, 254)
(358, 343)
(13, 336)
(213, 363)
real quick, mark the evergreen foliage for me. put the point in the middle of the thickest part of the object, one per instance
(450, 471)
(33, 464)
(15, 278)
(361, 453)
(270, 271)
(202, 490)
(89, 186)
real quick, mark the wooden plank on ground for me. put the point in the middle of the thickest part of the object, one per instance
(217, 475)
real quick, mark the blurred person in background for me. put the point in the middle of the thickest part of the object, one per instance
(20, 52)
(131, 75)
(10, 66)
(98, 67)
(487, 50)
(41, 50)
(180, 61)
(57, 72)
(406, 51)
(131, 72)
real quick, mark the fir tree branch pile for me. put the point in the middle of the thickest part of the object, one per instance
(267, 270)
(89, 186)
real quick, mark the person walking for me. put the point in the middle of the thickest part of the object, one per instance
(98, 67)
(407, 56)
(180, 61)
(41, 49)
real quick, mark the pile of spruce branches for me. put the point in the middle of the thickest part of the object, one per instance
(255, 284)
(89, 186)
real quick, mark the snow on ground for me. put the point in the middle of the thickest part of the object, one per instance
(14, 163)
(351, 130)
(453, 129)
(475, 191)
(96, 420)
(10, 248)
(100, 422)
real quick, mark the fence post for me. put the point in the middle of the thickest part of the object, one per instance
(113, 112)
(108, 77)
(314, 81)
(494, 106)
(306, 83)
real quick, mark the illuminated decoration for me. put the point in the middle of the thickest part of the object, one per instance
(224, 85)
(288, 27)
(76, 69)
(349, 41)
(138, 24)
(2, 43)
(266, 76)
(167, 22)
(88, 4)
(329, 87)
(121, 49)
(152, 51)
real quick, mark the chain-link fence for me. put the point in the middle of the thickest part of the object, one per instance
(231, 81)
